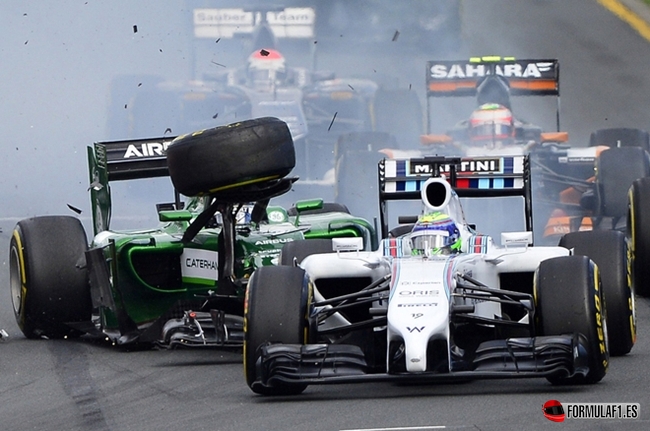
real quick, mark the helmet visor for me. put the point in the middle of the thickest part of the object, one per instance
(493, 130)
(431, 242)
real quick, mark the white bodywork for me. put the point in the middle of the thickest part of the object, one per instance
(423, 289)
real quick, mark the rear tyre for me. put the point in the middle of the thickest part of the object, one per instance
(48, 278)
(276, 311)
(568, 299)
(299, 250)
(620, 137)
(613, 182)
(608, 249)
(230, 156)
(638, 233)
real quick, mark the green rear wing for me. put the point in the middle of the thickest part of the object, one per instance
(118, 161)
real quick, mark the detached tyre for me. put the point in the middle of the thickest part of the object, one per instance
(48, 279)
(638, 232)
(225, 157)
(608, 250)
(568, 299)
(276, 311)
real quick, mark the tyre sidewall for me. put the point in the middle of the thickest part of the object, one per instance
(568, 299)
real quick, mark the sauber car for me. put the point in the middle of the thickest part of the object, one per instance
(268, 81)
(509, 310)
(182, 282)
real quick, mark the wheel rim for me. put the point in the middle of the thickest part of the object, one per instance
(15, 281)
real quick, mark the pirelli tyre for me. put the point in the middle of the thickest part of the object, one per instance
(608, 249)
(47, 276)
(613, 182)
(568, 299)
(225, 157)
(638, 234)
(620, 137)
(296, 251)
(276, 311)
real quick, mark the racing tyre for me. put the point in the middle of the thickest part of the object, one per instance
(229, 156)
(608, 249)
(48, 278)
(301, 249)
(638, 233)
(613, 182)
(276, 311)
(568, 299)
(621, 137)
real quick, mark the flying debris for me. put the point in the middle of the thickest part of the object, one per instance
(332, 122)
(75, 209)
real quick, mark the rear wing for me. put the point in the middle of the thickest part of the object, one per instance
(118, 161)
(526, 77)
(227, 23)
(402, 179)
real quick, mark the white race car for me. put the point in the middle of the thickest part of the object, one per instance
(418, 310)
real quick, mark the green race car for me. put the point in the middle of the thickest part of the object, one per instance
(183, 282)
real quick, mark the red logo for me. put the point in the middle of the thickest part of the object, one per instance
(553, 411)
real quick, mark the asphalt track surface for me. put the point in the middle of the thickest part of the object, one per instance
(88, 385)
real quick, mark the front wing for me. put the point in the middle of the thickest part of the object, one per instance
(543, 356)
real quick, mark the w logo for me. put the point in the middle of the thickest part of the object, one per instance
(411, 330)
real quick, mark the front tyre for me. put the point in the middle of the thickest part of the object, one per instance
(638, 233)
(608, 250)
(568, 299)
(48, 278)
(276, 311)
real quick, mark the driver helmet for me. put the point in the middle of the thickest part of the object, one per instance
(266, 66)
(491, 123)
(435, 234)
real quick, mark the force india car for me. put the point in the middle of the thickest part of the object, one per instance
(490, 311)
(317, 105)
(183, 282)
